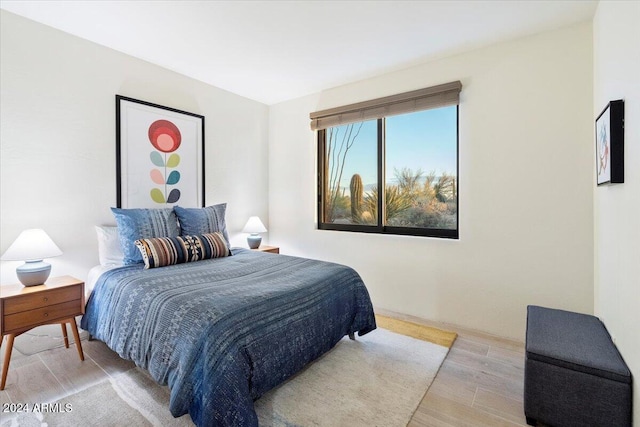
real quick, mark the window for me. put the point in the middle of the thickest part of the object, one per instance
(393, 171)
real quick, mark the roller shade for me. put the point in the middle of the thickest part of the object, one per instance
(408, 102)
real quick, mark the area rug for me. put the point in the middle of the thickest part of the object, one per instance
(377, 380)
(44, 338)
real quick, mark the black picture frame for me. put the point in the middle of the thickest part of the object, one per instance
(159, 156)
(610, 144)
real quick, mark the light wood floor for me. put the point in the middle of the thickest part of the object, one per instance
(479, 384)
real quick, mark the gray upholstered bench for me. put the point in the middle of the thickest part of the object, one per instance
(574, 374)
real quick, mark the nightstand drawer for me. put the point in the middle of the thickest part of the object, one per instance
(31, 318)
(41, 299)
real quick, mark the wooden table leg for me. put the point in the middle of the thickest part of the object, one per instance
(7, 359)
(63, 325)
(76, 335)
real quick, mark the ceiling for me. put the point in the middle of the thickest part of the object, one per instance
(272, 51)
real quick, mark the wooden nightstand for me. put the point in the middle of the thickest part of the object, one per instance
(272, 249)
(59, 300)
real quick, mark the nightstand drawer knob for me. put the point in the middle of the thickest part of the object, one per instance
(45, 299)
(46, 315)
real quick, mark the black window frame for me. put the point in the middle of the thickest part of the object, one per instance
(381, 228)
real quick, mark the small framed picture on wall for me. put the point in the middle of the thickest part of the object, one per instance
(610, 144)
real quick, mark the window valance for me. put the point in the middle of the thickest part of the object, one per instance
(408, 102)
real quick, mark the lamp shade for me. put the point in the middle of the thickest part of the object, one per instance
(254, 225)
(31, 245)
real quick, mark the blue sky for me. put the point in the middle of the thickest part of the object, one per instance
(424, 140)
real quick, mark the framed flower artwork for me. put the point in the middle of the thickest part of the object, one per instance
(159, 155)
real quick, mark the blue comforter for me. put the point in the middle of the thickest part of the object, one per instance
(223, 332)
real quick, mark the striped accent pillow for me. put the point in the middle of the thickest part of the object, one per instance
(163, 251)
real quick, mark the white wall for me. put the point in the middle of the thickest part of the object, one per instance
(526, 197)
(57, 142)
(616, 44)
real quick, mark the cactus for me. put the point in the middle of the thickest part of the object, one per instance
(356, 197)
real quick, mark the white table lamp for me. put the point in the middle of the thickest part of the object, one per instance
(32, 246)
(254, 226)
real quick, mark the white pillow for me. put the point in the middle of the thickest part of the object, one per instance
(109, 249)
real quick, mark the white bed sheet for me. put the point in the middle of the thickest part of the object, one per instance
(93, 276)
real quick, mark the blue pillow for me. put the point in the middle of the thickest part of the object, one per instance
(134, 224)
(202, 220)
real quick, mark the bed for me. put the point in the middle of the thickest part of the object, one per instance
(222, 332)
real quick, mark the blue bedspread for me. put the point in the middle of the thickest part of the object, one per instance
(223, 332)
